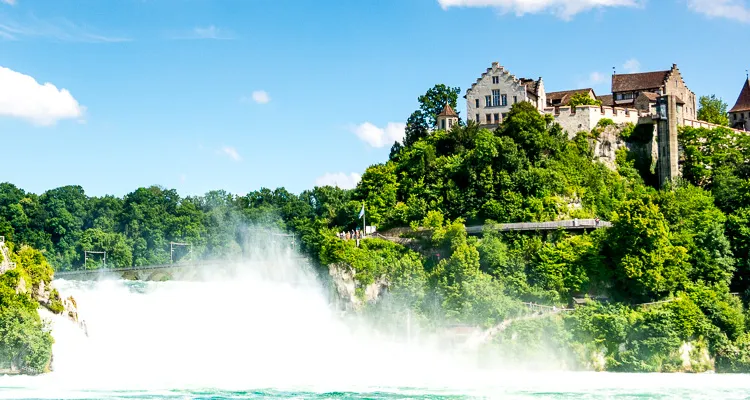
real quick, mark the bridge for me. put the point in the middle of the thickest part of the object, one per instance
(181, 271)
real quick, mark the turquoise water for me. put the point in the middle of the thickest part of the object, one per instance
(553, 386)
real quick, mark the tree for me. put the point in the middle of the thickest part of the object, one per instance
(433, 102)
(713, 110)
(583, 99)
(416, 128)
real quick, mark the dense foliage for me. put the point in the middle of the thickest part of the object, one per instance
(669, 277)
(25, 340)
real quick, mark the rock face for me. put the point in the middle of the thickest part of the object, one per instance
(605, 147)
(342, 276)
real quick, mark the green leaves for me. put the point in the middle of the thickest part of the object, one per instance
(713, 110)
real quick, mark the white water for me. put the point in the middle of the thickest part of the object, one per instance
(270, 326)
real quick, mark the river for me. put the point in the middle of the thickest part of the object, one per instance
(268, 331)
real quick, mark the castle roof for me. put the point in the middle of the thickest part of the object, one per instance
(640, 81)
(743, 102)
(532, 86)
(607, 100)
(447, 111)
(563, 97)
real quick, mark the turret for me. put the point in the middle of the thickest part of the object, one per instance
(447, 119)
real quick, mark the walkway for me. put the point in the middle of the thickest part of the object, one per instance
(538, 311)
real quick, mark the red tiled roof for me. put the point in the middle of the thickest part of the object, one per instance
(651, 95)
(565, 96)
(447, 111)
(640, 81)
(743, 102)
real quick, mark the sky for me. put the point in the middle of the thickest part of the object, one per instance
(199, 95)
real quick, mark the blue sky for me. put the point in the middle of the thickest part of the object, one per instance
(243, 94)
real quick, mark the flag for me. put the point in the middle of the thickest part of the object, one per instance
(362, 212)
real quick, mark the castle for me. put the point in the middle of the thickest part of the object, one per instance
(659, 98)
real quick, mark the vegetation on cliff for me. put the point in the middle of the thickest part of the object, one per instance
(670, 277)
(25, 340)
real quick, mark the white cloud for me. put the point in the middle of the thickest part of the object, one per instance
(261, 97)
(738, 10)
(596, 78)
(562, 8)
(11, 2)
(380, 137)
(339, 179)
(208, 32)
(230, 152)
(632, 66)
(42, 104)
(59, 29)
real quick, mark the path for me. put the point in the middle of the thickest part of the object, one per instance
(538, 311)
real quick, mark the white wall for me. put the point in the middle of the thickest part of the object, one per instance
(508, 85)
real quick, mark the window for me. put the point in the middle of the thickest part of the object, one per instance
(735, 117)
(515, 99)
(505, 115)
(476, 103)
(442, 124)
(489, 118)
(495, 97)
(497, 118)
(488, 101)
(477, 118)
(450, 123)
(505, 100)
(495, 79)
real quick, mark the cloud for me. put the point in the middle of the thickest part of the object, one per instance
(261, 97)
(380, 137)
(230, 152)
(59, 29)
(737, 10)
(208, 32)
(632, 66)
(339, 179)
(11, 2)
(564, 9)
(595, 78)
(42, 104)
(183, 178)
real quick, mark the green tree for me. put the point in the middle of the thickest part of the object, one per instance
(417, 127)
(713, 110)
(433, 102)
(583, 99)
(639, 252)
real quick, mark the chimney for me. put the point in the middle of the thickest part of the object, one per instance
(495, 64)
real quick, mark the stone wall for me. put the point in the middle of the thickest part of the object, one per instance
(675, 85)
(585, 118)
(704, 124)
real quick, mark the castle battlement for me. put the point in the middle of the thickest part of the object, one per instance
(586, 117)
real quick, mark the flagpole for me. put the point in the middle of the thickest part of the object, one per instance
(364, 219)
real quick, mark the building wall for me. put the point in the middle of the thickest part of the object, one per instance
(508, 85)
(741, 117)
(675, 85)
(585, 118)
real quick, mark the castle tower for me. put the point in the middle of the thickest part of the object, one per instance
(447, 119)
(739, 115)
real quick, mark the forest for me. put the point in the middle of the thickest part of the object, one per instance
(683, 247)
